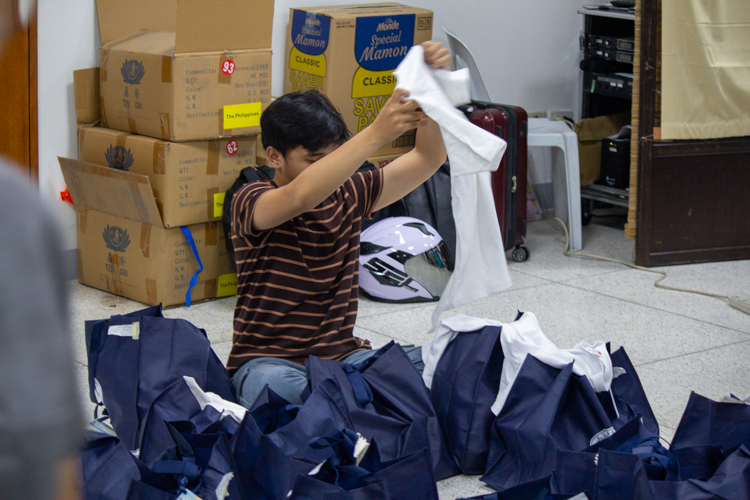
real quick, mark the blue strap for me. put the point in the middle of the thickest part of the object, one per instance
(179, 468)
(362, 391)
(194, 279)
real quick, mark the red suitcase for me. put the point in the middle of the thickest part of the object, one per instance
(509, 180)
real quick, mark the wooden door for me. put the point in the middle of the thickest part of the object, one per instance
(18, 101)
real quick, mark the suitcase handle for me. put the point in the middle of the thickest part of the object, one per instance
(515, 184)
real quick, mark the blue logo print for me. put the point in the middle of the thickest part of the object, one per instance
(132, 71)
(118, 157)
(116, 238)
(310, 32)
(380, 43)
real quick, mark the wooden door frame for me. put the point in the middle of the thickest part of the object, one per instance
(33, 102)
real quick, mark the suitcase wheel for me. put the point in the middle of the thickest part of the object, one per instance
(520, 254)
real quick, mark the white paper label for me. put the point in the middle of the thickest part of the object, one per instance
(222, 490)
(132, 330)
(601, 435)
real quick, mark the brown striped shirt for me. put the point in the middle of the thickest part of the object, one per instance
(298, 283)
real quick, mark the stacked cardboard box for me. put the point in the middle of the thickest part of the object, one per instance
(171, 74)
(349, 53)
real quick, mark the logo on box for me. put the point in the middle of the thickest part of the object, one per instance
(116, 238)
(118, 157)
(132, 71)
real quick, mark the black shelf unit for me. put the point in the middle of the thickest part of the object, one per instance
(605, 64)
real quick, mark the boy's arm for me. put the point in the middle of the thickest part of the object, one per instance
(404, 174)
(316, 182)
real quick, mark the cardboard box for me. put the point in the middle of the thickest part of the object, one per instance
(349, 53)
(590, 133)
(197, 70)
(124, 248)
(382, 161)
(188, 179)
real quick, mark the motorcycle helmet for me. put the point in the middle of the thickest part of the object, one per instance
(402, 260)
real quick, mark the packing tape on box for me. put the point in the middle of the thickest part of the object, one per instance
(160, 159)
(211, 202)
(212, 234)
(225, 78)
(80, 266)
(222, 132)
(194, 278)
(212, 162)
(81, 137)
(145, 239)
(82, 219)
(103, 65)
(121, 140)
(131, 121)
(166, 69)
(114, 261)
(151, 292)
(103, 113)
(166, 134)
(210, 287)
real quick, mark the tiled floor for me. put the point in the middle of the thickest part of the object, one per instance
(678, 342)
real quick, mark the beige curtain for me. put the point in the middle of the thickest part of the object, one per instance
(705, 69)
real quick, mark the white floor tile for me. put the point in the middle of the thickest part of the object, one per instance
(638, 286)
(713, 373)
(546, 242)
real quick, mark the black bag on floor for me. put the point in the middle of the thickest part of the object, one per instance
(346, 476)
(248, 174)
(178, 404)
(274, 432)
(547, 410)
(108, 468)
(198, 464)
(464, 388)
(133, 358)
(388, 403)
(628, 393)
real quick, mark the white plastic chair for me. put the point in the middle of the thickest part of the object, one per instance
(542, 132)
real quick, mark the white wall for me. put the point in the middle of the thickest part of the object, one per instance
(68, 39)
(526, 50)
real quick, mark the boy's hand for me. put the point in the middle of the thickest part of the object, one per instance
(397, 116)
(436, 56)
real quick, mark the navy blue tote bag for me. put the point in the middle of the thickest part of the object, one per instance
(197, 464)
(730, 481)
(628, 393)
(710, 423)
(388, 403)
(274, 432)
(107, 468)
(547, 410)
(404, 478)
(464, 387)
(659, 463)
(177, 404)
(605, 475)
(135, 357)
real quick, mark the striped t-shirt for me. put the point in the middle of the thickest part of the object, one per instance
(298, 282)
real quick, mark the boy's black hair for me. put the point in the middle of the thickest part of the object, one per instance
(306, 119)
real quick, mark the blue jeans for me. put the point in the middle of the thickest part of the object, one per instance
(289, 380)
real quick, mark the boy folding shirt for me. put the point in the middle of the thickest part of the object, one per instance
(480, 268)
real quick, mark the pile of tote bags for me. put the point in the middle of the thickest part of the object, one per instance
(375, 431)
